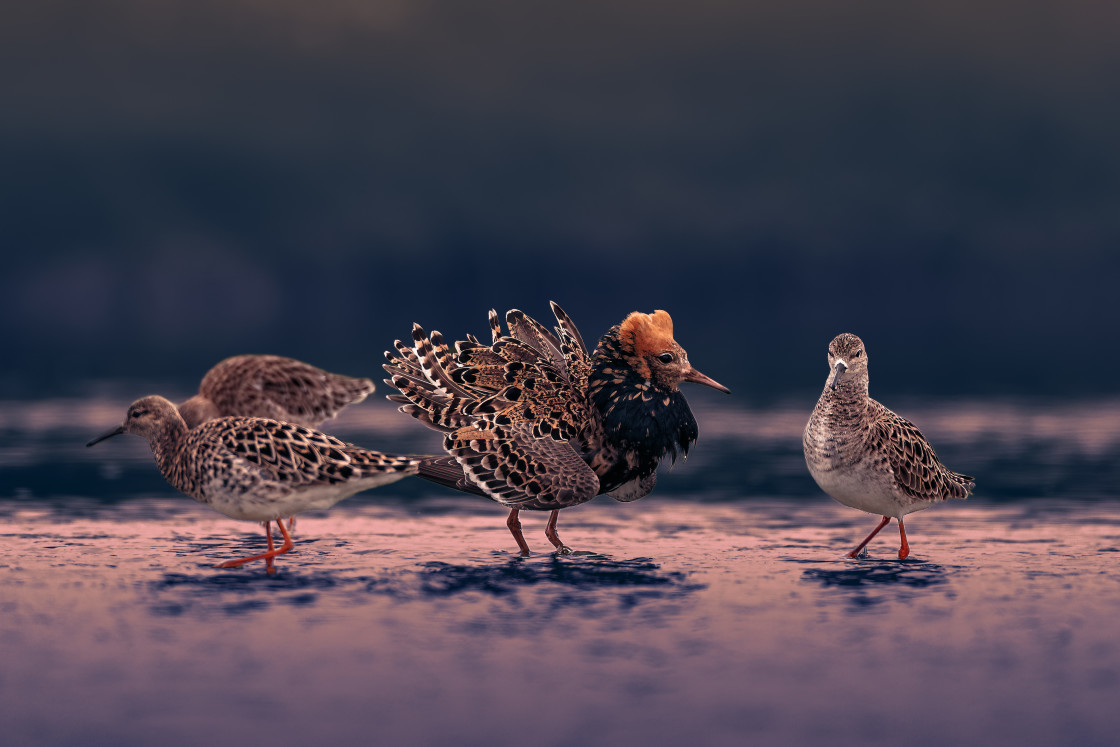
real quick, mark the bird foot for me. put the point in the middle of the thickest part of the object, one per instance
(563, 550)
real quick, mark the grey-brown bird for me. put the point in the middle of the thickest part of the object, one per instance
(866, 456)
(534, 420)
(255, 468)
(272, 386)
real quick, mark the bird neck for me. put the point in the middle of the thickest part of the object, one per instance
(197, 410)
(641, 422)
(849, 400)
(167, 447)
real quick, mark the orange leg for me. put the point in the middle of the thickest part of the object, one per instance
(292, 524)
(268, 535)
(268, 556)
(904, 550)
(514, 525)
(553, 537)
(859, 548)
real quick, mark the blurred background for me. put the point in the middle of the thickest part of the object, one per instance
(180, 182)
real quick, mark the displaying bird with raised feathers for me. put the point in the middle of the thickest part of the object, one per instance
(272, 386)
(536, 421)
(866, 456)
(256, 468)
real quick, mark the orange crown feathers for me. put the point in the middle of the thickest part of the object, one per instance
(646, 334)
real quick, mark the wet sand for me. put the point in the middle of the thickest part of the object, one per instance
(674, 622)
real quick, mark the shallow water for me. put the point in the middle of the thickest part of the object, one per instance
(720, 610)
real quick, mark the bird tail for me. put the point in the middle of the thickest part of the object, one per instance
(446, 471)
(962, 484)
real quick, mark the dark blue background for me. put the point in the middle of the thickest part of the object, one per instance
(181, 182)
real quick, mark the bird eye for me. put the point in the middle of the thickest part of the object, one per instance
(665, 357)
(859, 353)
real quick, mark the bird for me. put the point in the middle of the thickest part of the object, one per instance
(866, 456)
(256, 469)
(535, 420)
(272, 386)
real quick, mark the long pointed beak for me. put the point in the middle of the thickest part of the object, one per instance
(840, 368)
(108, 434)
(695, 376)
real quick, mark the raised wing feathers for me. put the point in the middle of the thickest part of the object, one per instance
(508, 409)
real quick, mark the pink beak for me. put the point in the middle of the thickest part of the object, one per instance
(699, 378)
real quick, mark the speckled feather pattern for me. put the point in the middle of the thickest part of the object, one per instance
(867, 456)
(533, 420)
(256, 468)
(272, 386)
(509, 411)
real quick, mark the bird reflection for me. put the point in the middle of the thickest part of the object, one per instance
(873, 584)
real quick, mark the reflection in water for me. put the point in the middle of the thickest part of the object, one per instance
(871, 583)
(444, 579)
(236, 593)
(719, 615)
(903, 574)
(581, 581)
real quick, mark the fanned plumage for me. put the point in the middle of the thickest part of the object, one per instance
(255, 468)
(533, 421)
(866, 456)
(272, 386)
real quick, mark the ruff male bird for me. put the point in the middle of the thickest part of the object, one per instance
(535, 421)
(867, 457)
(271, 386)
(255, 468)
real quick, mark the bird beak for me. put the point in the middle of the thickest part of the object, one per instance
(695, 376)
(841, 367)
(108, 434)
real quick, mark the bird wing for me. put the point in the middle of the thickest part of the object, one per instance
(299, 456)
(914, 462)
(272, 386)
(508, 409)
(520, 470)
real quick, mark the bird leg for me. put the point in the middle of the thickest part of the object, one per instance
(268, 535)
(859, 548)
(268, 556)
(553, 537)
(514, 525)
(904, 550)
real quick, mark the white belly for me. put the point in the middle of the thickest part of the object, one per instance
(272, 501)
(867, 491)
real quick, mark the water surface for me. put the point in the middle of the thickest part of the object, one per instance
(720, 610)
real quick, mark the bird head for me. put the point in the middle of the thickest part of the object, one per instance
(147, 417)
(647, 344)
(847, 359)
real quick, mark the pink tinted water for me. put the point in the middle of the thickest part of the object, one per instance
(718, 611)
(673, 623)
